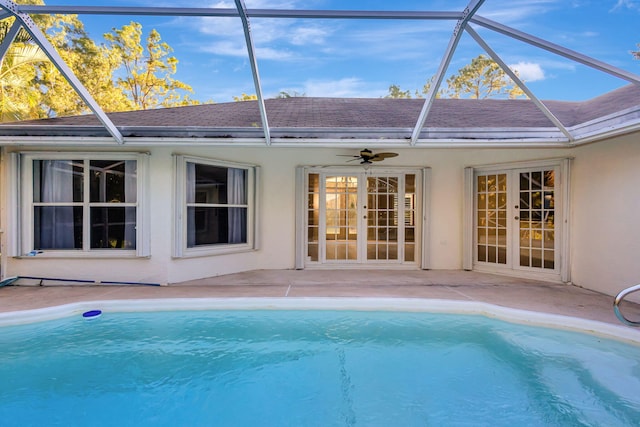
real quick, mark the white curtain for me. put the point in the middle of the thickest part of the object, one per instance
(56, 222)
(130, 196)
(191, 198)
(236, 195)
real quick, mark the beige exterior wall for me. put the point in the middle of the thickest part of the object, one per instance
(604, 211)
(605, 231)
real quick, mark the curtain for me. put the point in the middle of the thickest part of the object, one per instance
(191, 198)
(236, 195)
(56, 229)
(130, 196)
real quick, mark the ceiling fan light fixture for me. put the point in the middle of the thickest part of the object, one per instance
(367, 156)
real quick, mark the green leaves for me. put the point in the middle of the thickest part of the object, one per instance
(480, 79)
(147, 69)
(122, 74)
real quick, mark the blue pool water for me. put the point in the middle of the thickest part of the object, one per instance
(312, 368)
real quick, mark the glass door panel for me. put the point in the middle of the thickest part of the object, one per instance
(313, 217)
(410, 218)
(515, 219)
(537, 219)
(491, 227)
(359, 218)
(382, 217)
(341, 218)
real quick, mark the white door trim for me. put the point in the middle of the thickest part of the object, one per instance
(563, 272)
(421, 254)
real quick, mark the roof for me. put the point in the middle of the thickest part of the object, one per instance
(375, 119)
(326, 121)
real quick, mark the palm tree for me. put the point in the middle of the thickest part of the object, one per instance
(18, 97)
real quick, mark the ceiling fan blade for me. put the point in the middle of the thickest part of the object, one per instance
(385, 155)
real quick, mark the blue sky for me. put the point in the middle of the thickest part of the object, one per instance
(362, 58)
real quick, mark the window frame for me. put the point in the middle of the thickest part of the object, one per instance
(180, 248)
(26, 232)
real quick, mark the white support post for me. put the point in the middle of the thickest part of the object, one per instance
(254, 69)
(468, 13)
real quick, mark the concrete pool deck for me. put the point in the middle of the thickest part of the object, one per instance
(455, 285)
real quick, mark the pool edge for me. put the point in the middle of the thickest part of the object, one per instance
(534, 318)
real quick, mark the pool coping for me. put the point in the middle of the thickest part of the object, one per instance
(508, 314)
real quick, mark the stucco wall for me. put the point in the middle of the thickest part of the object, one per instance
(606, 215)
(277, 211)
(605, 235)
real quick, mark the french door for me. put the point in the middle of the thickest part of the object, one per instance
(362, 217)
(518, 221)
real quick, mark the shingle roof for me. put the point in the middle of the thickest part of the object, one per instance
(305, 117)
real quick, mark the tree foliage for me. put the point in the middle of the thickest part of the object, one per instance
(396, 92)
(121, 74)
(17, 98)
(290, 94)
(92, 64)
(245, 97)
(480, 79)
(148, 68)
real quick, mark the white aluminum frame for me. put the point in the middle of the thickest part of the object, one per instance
(462, 18)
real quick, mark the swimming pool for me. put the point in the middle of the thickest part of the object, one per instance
(312, 367)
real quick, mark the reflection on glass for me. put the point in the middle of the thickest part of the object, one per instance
(113, 228)
(482, 184)
(113, 181)
(491, 217)
(211, 225)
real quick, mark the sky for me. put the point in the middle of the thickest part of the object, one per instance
(362, 58)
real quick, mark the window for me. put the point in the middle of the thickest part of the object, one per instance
(216, 210)
(83, 204)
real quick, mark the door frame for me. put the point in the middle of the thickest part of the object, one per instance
(562, 222)
(423, 179)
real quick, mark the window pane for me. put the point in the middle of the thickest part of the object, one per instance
(113, 228)
(218, 225)
(410, 184)
(113, 181)
(57, 227)
(314, 183)
(217, 185)
(57, 181)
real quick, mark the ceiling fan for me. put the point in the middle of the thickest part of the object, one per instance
(367, 156)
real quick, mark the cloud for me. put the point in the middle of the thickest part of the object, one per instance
(308, 35)
(516, 12)
(627, 4)
(528, 71)
(273, 39)
(347, 87)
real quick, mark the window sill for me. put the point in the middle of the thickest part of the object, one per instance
(96, 254)
(209, 251)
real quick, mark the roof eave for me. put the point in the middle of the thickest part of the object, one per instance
(621, 122)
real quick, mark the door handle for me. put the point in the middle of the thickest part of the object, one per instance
(517, 218)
